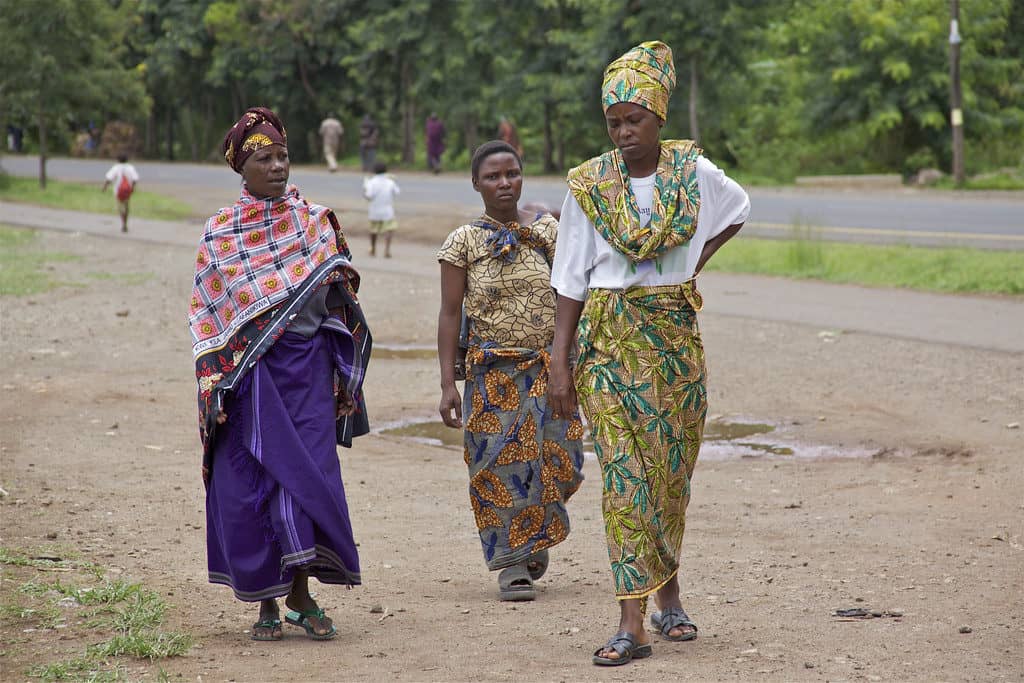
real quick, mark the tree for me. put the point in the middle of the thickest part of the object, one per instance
(62, 62)
(875, 73)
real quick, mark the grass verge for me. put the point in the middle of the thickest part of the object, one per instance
(958, 270)
(119, 619)
(1005, 179)
(25, 268)
(87, 197)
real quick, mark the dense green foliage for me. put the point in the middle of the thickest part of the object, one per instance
(63, 62)
(770, 87)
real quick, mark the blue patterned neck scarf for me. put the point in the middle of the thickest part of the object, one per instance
(506, 237)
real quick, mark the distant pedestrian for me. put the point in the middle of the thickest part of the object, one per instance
(14, 138)
(124, 178)
(381, 189)
(435, 142)
(507, 133)
(331, 131)
(369, 137)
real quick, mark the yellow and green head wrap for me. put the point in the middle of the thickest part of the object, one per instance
(644, 75)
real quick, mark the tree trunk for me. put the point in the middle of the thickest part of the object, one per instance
(408, 116)
(549, 145)
(42, 151)
(170, 134)
(208, 123)
(150, 143)
(694, 91)
(308, 87)
(469, 132)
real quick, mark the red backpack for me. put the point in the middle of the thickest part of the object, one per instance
(124, 189)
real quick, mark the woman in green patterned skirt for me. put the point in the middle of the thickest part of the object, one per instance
(638, 224)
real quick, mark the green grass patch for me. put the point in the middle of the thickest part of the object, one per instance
(1002, 179)
(123, 619)
(87, 197)
(956, 270)
(25, 268)
(23, 264)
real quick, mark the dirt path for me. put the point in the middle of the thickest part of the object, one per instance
(913, 504)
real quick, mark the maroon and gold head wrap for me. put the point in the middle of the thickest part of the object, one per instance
(258, 128)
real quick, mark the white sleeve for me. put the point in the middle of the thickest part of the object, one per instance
(395, 185)
(133, 175)
(112, 173)
(722, 200)
(575, 251)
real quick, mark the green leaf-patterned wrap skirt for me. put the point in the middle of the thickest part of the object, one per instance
(641, 383)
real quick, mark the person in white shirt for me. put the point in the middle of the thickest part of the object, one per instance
(124, 178)
(381, 189)
(638, 224)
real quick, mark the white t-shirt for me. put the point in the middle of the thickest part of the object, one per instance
(584, 260)
(119, 170)
(381, 190)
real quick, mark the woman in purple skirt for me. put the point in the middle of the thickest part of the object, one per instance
(280, 347)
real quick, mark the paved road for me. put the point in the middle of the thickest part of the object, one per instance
(981, 322)
(990, 220)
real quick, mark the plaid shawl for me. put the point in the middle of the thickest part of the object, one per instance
(260, 261)
(254, 255)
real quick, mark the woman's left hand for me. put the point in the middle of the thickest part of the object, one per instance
(346, 406)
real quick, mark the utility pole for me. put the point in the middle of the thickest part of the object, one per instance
(956, 114)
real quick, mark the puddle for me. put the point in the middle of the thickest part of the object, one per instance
(434, 433)
(402, 351)
(723, 440)
(720, 430)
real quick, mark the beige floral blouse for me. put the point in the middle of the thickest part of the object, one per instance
(509, 303)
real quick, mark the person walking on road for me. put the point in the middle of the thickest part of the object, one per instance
(507, 132)
(638, 224)
(524, 464)
(369, 138)
(381, 190)
(280, 346)
(331, 131)
(123, 177)
(435, 142)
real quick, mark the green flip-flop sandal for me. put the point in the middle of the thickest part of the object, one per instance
(301, 619)
(269, 624)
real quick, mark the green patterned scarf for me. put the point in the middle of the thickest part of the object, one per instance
(601, 186)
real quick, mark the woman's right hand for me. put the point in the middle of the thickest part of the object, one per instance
(561, 391)
(451, 402)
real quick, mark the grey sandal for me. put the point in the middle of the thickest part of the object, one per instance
(624, 644)
(515, 584)
(537, 564)
(673, 617)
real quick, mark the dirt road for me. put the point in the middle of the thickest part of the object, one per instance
(902, 495)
